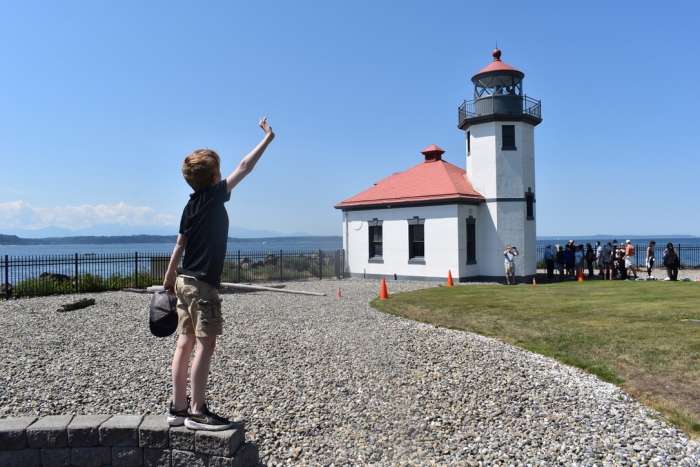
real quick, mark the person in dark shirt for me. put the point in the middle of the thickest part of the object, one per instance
(569, 260)
(549, 260)
(608, 266)
(590, 259)
(202, 239)
(621, 264)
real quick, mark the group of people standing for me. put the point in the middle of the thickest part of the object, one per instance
(613, 262)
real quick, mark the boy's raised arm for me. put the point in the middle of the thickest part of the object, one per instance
(249, 161)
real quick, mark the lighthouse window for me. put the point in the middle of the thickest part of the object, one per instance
(471, 240)
(469, 142)
(530, 202)
(508, 137)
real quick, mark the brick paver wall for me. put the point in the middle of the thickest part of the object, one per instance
(119, 441)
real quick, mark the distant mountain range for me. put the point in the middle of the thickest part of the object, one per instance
(106, 230)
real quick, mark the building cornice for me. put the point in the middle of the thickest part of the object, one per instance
(410, 204)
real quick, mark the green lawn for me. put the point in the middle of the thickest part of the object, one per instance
(628, 333)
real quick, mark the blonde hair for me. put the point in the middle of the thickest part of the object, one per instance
(200, 167)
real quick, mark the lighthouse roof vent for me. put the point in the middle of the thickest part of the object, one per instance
(433, 153)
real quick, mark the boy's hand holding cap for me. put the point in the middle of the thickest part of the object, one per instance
(163, 313)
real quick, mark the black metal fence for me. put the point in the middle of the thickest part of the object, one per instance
(28, 276)
(689, 255)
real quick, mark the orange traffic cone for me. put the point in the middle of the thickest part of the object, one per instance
(449, 279)
(383, 295)
(580, 274)
(338, 293)
(534, 282)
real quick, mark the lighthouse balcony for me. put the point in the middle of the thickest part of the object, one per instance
(499, 105)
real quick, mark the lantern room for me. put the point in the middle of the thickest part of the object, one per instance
(498, 79)
(498, 90)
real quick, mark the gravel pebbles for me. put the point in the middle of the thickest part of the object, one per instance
(328, 381)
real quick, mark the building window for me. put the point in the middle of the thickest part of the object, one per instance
(469, 142)
(471, 240)
(416, 240)
(375, 240)
(508, 137)
(530, 203)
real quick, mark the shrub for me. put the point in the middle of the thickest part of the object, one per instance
(40, 287)
(86, 283)
(296, 264)
(90, 283)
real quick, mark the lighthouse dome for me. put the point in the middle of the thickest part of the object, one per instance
(499, 67)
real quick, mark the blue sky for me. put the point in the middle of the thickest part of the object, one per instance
(101, 101)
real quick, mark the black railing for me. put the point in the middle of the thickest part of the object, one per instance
(499, 104)
(28, 276)
(689, 255)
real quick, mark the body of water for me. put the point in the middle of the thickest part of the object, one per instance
(148, 248)
(274, 247)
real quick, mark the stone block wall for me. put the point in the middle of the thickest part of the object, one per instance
(119, 441)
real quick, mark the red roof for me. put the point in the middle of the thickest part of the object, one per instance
(429, 181)
(498, 65)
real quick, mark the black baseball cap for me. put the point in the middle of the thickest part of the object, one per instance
(163, 313)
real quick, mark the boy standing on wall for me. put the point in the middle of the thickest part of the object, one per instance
(202, 238)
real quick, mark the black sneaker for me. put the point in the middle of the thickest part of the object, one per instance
(205, 420)
(176, 417)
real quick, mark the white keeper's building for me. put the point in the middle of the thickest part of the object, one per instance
(436, 217)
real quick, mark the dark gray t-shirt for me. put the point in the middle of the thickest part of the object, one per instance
(205, 224)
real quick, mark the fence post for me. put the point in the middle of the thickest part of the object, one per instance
(678, 252)
(337, 264)
(136, 269)
(77, 277)
(281, 270)
(320, 264)
(239, 265)
(7, 278)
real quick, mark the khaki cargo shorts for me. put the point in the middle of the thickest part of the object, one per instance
(198, 308)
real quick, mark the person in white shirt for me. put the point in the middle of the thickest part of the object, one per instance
(510, 254)
(599, 250)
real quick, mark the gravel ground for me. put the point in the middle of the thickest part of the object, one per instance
(329, 381)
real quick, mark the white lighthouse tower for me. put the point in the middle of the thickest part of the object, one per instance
(500, 131)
